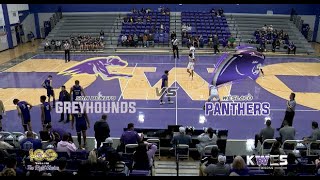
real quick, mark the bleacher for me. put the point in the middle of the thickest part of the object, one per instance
(205, 26)
(245, 25)
(84, 25)
(160, 37)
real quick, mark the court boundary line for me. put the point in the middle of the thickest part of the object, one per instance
(125, 87)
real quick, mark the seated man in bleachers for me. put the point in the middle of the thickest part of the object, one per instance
(124, 40)
(47, 45)
(287, 132)
(30, 142)
(292, 47)
(183, 27)
(265, 133)
(130, 136)
(231, 41)
(181, 138)
(220, 168)
(315, 135)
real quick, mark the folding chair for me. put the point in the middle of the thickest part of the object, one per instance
(266, 142)
(130, 147)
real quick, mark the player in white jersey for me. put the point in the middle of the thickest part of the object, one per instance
(190, 67)
(213, 93)
(192, 51)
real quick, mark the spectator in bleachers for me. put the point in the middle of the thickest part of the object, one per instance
(292, 47)
(218, 169)
(184, 27)
(315, 135)
(265, 28)
(58, 45)
(239, 166)
(5, 145)
(216, 44)
(47, 45)
(263, 43)
(30, 142)
(116, 164)
(195, 41)
(2, 113)
(270, 28)
(66, 145)
(173, 34)
(231, 41)
(124, 40)
(220, 11)
(8, 172)
(62, 164)
(101, 35)
(145, 40)
(210, 41)
(52, 43)
(181, 138)
(135, 40)
(287, 132)
(130, 136)
(161, 28)
(224, 44)
(143, 156)
(276, 149)
(205, 139)
(213, 159)
(106, 148)
(265, 133)
(56, 133)
(129, 40)
(11, 163)
(101, 130)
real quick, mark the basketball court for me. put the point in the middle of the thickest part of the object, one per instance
(138, 77)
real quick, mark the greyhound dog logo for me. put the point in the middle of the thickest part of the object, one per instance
(98, 66)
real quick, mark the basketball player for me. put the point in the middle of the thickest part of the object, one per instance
(82, 123)
(164, 86)
(192, 51)
(190, 67)
(76, 90)
(45, 112)
(23, 109)
(2, 113)
(213, 93)
(50, 92)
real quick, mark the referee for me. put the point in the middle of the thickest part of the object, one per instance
(67, 51)
(175, 47)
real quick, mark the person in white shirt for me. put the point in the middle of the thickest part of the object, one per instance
(192, 51)
(213, 93)
(190, 67)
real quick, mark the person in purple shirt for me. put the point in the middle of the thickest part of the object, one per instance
(130, 136)
(30, 142)
(143, 156)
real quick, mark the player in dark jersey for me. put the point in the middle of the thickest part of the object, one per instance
(82, 123)
(76, 90)
(47, 84)
(23, 108)
(164, 86)
(45, 112)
